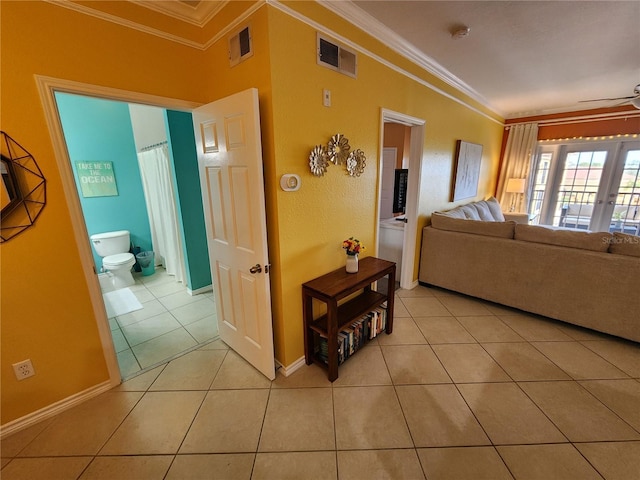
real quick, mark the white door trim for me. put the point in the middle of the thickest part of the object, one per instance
(47, 87)
(413, 190)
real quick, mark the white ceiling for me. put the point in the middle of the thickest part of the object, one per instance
(521, 57)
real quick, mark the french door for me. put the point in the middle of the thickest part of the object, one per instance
(588, 186)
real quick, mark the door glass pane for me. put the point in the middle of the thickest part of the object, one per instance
(539, 186)
(626, 212)
(578, 187)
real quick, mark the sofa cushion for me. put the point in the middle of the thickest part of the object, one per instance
(624, 244)
(597, 241)
(470, 211)
(491, 229)
(495, 208)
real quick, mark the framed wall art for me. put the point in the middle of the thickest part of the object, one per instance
(467, 170)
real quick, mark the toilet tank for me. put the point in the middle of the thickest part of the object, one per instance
(110, 243)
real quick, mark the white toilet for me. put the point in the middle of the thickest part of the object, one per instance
(113, 247)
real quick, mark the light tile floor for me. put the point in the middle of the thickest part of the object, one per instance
(462, 389)
(171, 322)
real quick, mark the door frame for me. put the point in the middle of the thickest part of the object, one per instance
(47, 88)
(416, 147)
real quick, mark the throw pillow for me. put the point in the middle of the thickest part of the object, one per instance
(455, 213)
(484, 211)
(495, 208)
(470, 211)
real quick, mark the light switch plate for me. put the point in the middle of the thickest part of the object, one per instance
(326, 97)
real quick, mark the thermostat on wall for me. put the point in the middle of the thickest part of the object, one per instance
(290, 182)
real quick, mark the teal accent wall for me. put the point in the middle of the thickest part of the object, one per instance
(100, 130)
(190, 210)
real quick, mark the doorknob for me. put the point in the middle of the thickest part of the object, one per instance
(256, 268)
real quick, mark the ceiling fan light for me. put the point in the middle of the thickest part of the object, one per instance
(636, 102)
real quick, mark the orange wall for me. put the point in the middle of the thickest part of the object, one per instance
(580, 128)
(313, 222)
(395, 136)
(47, 314)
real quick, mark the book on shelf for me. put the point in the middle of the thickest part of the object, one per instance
(352, 337)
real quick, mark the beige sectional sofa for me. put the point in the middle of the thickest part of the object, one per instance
(583, 278)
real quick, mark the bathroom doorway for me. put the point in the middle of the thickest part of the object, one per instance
(401, 146)
(164, 315)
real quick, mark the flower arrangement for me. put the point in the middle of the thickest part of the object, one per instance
(352, 246)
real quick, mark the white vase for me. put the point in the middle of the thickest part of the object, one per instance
(352, 263)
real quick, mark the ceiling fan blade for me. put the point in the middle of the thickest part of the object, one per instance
(628, 100)
(607, 99)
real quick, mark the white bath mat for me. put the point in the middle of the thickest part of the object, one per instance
(120, 302)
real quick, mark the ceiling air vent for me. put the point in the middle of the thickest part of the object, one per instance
(336, 57)
(240, 46)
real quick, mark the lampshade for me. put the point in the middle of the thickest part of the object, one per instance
(515, 185)
(636, 102)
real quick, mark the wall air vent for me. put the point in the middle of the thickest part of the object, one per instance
(240, 46)
(336, 57)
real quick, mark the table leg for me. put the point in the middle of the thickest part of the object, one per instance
(332, 338)
(391, 295)
(307, 309)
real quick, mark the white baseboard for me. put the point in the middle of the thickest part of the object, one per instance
(198, 291)
(414, 284)
(286, 371)
(53, 409)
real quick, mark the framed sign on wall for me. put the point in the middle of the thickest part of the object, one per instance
(97, 179)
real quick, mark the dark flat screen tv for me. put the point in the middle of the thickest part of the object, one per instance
(400, 190)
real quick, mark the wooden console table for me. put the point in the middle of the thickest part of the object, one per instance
(331, 288)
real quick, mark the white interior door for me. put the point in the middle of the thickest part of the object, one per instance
(230, 163)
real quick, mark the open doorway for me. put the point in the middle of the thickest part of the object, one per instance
(401, 146)
(151, 288)
(123, 166)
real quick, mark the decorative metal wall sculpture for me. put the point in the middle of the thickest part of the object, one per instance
(338, 151)
(24, 192)
(356, 163)
(318, 160)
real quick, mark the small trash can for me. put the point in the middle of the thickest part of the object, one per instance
(145, 260)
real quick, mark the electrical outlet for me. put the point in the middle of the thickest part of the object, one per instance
(24, 369)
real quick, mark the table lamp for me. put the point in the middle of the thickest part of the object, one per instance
(515, 186)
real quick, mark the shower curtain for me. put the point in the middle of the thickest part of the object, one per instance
(157, 183)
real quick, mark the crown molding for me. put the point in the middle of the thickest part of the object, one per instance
(199, 15)
(361, 19)
(354, 46)
(125, 23)
(237, 22)
(344, 8)
(158, 33)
